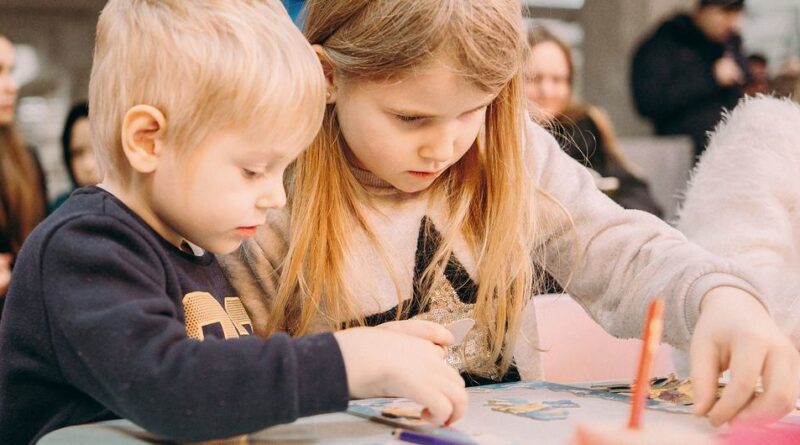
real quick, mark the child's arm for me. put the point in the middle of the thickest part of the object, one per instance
(117, 338)
(615, 261)
(116, 335)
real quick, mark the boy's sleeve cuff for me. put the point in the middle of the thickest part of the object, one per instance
(322, 379)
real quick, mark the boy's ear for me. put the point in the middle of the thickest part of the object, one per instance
(142, 128)
(327, 69)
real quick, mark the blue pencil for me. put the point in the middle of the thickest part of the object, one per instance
(425, 439)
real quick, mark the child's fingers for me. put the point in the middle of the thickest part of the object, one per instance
(455, 376)
(426, 330)
(747, 361)
(438, 408)
(444, 385)
(781, 385)
(459, 398)
(704, 365)
(453, 387)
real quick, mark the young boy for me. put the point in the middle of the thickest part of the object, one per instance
(196, 110)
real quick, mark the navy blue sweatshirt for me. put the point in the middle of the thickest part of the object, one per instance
(95, 328)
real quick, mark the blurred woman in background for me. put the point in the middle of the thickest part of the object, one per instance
(22, 191)
(77, 151)
(583, 131)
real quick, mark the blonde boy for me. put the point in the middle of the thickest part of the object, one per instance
(196, 110)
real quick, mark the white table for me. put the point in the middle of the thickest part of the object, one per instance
(488, 426)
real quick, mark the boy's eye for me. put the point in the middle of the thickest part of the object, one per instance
(250, 174)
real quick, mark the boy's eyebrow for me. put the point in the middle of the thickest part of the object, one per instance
(426, 115)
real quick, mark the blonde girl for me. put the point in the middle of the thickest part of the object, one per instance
(429, 194)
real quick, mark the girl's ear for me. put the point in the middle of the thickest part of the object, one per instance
(142, 128)
(328, 70)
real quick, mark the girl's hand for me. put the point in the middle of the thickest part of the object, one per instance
(5, 272)
(735, 332)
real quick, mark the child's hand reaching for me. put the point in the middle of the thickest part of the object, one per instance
(382, 362)
(735, 332)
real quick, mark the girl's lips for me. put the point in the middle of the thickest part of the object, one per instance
(425, 174)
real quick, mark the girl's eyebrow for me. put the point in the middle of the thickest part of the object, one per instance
(426, 115)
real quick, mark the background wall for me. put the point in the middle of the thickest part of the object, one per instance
(56, 38)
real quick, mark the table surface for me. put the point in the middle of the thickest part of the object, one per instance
(484, 424)
(337, 428)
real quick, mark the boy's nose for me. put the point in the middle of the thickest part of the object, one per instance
(274, 198)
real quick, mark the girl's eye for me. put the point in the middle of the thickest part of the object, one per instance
(409, 118)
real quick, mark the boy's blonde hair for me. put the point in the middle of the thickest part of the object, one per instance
(488, 191)
(206, 65)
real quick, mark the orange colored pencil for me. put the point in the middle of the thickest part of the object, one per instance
(650, 340)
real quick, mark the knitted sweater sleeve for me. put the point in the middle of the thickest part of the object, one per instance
(615, 261)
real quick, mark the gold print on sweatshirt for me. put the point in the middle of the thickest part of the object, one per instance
(201, 309)
(235, 310)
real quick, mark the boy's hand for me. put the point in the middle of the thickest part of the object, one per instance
(383, 363)
(5, 272)
(735, 332)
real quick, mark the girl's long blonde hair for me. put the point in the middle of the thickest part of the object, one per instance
(488, 190)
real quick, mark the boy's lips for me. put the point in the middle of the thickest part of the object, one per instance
(247, 231)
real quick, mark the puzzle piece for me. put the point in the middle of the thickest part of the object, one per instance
(402, 412)
(547, 410)
(460, 329)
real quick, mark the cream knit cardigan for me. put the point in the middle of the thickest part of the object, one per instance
(743, 202)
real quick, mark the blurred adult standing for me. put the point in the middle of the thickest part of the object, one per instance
(760, 82)
(690, 68)
(22, 193)
(76, 145)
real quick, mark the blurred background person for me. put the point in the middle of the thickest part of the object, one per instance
(787, 81)
(77, 151)
(759, 82)
(22, 191)
(583, 131)
(692, 67)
